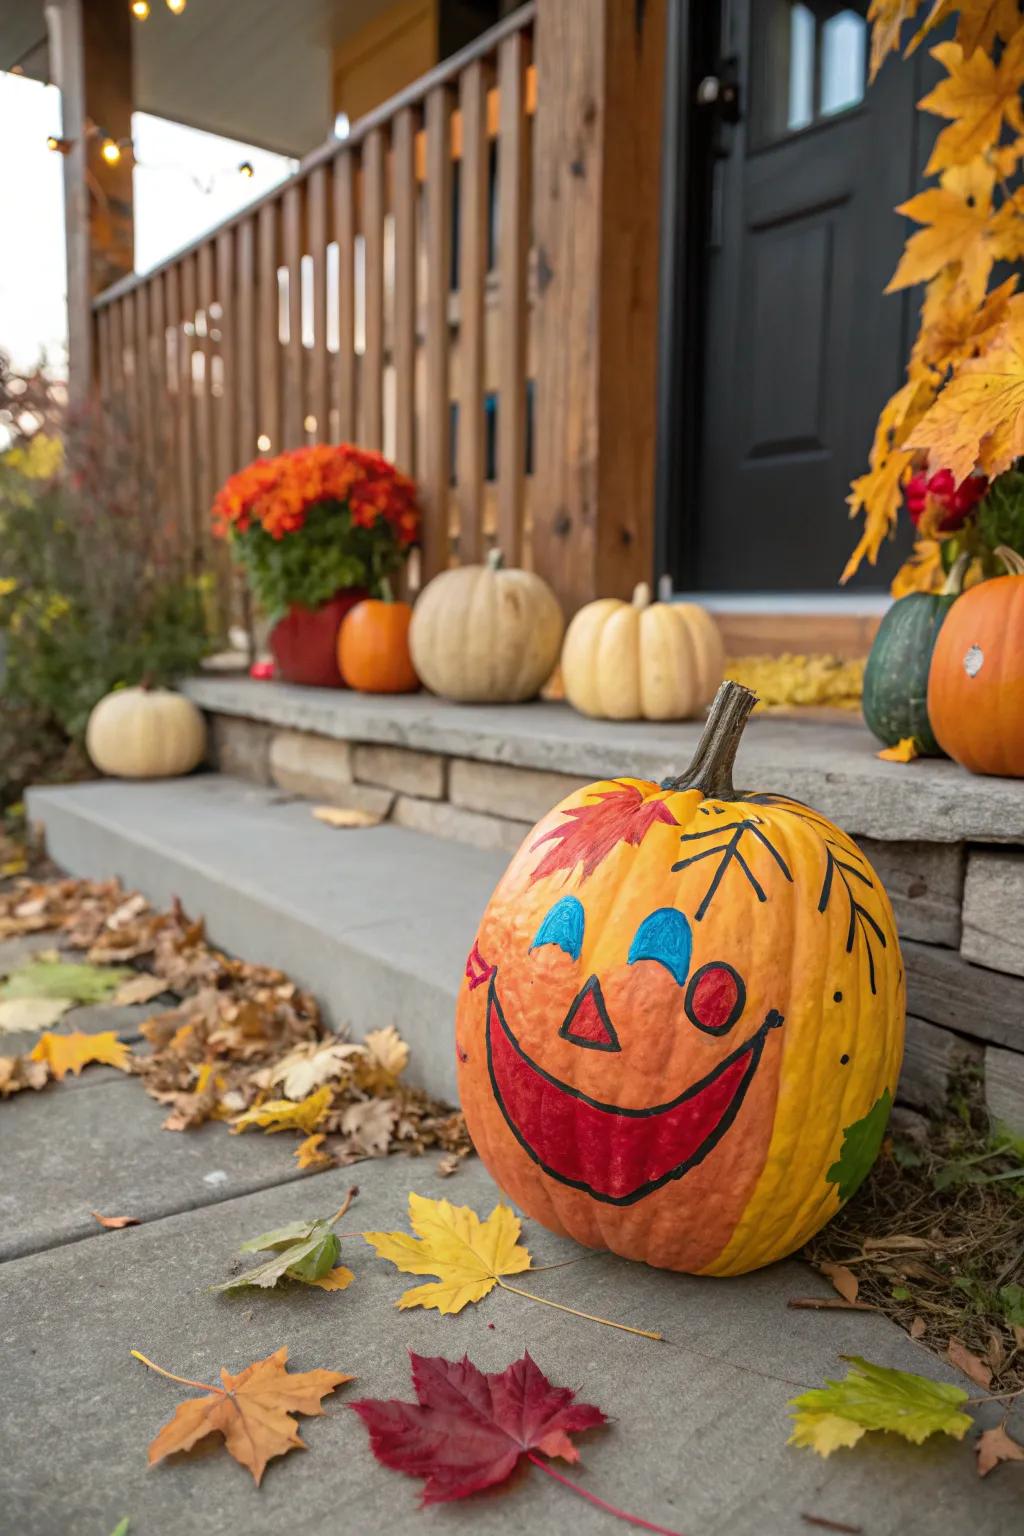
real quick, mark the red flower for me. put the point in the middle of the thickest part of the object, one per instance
(952, 503)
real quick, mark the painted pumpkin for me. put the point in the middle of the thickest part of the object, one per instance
(373, 647)
(681, 1024)
(145, 733)
(483, 634)
(976, 683)
(642, 660)
(895, 697)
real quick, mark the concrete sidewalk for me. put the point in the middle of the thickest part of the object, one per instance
(698, 1441)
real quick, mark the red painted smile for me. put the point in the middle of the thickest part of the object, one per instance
(616, 1155)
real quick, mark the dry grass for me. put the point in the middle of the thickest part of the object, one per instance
(935, 1236)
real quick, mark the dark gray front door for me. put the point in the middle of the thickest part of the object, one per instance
(800, 347)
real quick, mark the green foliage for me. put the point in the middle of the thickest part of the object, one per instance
(305, 1251)
(310, 565)
(861, 1142)
(1001, 518)
(876, 1397)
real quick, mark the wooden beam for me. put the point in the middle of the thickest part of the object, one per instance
(596, 214)
(91, 54)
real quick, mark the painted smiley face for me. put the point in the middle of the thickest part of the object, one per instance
(616, 1154)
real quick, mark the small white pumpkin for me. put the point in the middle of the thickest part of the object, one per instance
(145, 733)
(483, 634)
(642, 660)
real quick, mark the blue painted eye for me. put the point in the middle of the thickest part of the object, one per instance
(563, 925)
(664, 936)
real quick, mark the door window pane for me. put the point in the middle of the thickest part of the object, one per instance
(801, 68)
(843, 39)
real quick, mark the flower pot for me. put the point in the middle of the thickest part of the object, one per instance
(305, 642)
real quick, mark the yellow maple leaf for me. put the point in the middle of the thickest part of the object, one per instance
(879, 495)
(922, 571)
(310, 1153)
(386, 1057)
(980, 22)
(879, 1398)
(468, 1255)
(957, 218)
(337, 1279)
(70, 1053)
(954, 326)
(904, 751)
(887, 18)
(978, 420)
(979, 96)
(286, 1115)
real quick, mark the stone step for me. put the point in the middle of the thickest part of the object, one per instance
(375, 922)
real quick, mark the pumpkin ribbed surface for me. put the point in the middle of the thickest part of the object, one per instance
(145, 733)
(677, 1006)
(976, 683)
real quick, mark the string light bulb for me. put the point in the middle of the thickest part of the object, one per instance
(58, 146)
(140, 9)
(175, 7)
(247, 170)
(110, 149)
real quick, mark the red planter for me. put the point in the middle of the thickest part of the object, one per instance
(305, 642)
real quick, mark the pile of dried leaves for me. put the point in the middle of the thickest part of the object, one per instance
(935, 1239)
(242, 1043)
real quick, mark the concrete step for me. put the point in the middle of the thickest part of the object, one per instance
(377, 922)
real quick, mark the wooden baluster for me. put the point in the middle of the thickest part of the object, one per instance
(103, 354)
(319, 399)
(403, 350)
(144, 391)
(469, 470)
(269, 333)
(513, 260)
(344, 234)
(158, 396)
(373, 268)
(244, 446)
(437, 409)
(294, 369)
(203, 421)
(225, 404)
(185, 315)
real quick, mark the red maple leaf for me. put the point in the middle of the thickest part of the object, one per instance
(469, 1430)
(590, 832)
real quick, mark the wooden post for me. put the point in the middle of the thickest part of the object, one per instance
(91, 60)
(596, 212)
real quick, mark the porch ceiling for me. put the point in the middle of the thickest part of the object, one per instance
(254, 70)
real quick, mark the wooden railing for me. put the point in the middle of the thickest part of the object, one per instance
(380, 296)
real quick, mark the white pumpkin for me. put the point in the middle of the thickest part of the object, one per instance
(484, 634)
(642, 660)
(145, 733)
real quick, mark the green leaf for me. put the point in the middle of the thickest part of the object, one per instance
(60, 978)
(900, 1293)
(861, 1142)
(121, 1528)
(1012, 1298)
(876, 1397)
(306, 1251)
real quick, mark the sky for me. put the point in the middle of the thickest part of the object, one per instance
(185, 183)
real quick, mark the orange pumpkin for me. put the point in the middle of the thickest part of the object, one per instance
(373, 647)
(976, 680)
(681, 1023)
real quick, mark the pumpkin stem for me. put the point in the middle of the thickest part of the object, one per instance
(495, 560)
(1014, 563)
(385, 589)
(641, 595)
(954, 582)
(711, 768)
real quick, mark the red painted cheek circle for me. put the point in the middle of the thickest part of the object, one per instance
(715, 997)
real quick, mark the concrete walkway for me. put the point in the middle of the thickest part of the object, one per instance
(698, 1441)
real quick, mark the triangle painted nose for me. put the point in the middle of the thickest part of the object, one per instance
(587, 1022)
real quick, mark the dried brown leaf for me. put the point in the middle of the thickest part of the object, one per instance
(994, 1446)
(115, 1223)
(844, 1280)
(959, 1355)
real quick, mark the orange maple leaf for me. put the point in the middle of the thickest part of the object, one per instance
(590, 832)
(253, 1411)
(310, 1153)
(922, 571)
(879, 495)
(957, 216)
(980, 22)
(904, 751)
(887, 18)
(70, 1053)
(978, 96)
(978, 420)
(953, 326)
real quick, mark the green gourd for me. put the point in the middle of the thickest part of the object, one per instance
(895, 695)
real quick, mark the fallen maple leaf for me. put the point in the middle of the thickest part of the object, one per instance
(312, 1064)
(904, 751)
(304, 1250)
(115, 1223)
(844, 1280)
(64, 979)
(253, 1411)
(310, 1153)
(18, 1072)
(469, 1429)
(22, 1014)
(284, 1115)
(876, 1397)
(468, 1255)
(385, 1057)
(994, 1446)
(346, 817)
(140, 988)
(974, 1369)
(369, 1124)
(70, 1053)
